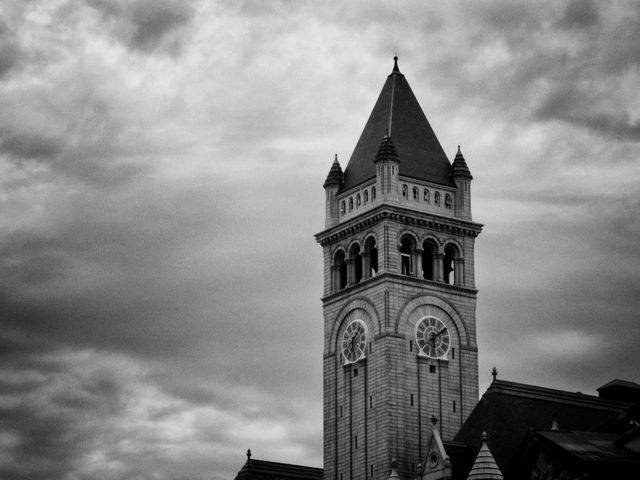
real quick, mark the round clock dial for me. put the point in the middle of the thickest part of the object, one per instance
(354, 341)
(432, 337)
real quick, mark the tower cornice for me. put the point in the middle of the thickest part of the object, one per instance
(403, 215)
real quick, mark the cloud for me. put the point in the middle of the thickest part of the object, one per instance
(580, 14)
(147, 25)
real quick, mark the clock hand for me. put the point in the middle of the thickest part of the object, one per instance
(440, 332)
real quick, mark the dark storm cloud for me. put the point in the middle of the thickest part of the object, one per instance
(147, 25)
(10, 52)
(580, 14)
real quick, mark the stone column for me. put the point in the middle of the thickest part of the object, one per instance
(438, 267)
(335, 278)
(459, 271)
(366, 265)
(351, 271)
(416, 263)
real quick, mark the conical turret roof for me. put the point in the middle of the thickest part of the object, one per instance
(485, 467)
(335, 174)
(398, 115)
(459, 166)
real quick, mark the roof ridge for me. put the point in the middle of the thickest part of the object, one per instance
(535, 391)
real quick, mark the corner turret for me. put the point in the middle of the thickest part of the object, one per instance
(331, 186)
(461, 176)
(387, 167)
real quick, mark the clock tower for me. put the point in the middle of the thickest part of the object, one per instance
(399, 296)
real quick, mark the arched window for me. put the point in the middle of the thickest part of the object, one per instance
(339, 271)
(429, 250)
(407, 246)
(358, 200)
(373, 193)
(436, 198)
(426, 195)
(350, 203)
(447, 201)
(448, 266)
(371, 255)
(405, 191)
(366, 196)
(343, 207)
(416, 193)
(356, 263)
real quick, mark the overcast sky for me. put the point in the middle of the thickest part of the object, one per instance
(161, 170)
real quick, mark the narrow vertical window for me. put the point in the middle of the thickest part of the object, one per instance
(366, 196)
(340, 411)
(426, 195)
(350, 203)
(356, 441)
(453, 354)
(416, 194)
(371, 470)
(343, 207)
(447, 201)
(454, 406)
(370, 401)
(373, 193)
(355, 372)
(358, 200)
(411, 345)
(436, 198)
(412, 399)
(405, 191)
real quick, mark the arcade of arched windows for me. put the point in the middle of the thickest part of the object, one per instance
(428, 261)
(422, 260)
(359, 200)
(358, 264)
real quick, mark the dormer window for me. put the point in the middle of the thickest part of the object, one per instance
(416, 193)
(426, 195)
(405, 191)
(358, 200)
(447, 201)
(366, 196)
(373, 193)
(343, 208)
(350, 203)
(436, 198)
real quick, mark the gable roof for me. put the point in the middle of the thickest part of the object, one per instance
(507, 411)
(397, 114)
(593, 453)
(264, 470)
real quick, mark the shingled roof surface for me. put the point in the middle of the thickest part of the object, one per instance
(508, 410)
(263, 470)
(398, 114)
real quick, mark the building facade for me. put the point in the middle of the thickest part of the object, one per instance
(399, 297)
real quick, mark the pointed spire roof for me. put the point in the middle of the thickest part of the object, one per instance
(459, 166)
(387, 150)
(485, 467)
(398, 114)
(335, 174)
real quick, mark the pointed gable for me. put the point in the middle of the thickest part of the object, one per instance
(398, 115)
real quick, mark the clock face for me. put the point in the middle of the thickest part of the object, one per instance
(432, 337)
(354, 341)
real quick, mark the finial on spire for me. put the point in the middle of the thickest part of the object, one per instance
(394, 463)
(459, 152)
(248, 454)
(494, 372)
(434, 420)
(484, 436)
(554, 420)
(395, 64)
